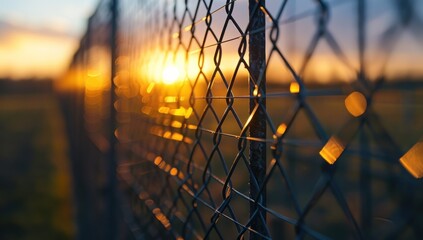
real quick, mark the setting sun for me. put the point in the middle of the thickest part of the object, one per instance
(170, 74)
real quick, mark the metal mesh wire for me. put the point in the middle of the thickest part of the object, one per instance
(269, 119)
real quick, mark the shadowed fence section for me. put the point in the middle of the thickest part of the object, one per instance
(258, 119)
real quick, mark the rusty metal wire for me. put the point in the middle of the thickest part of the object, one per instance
(267, 119)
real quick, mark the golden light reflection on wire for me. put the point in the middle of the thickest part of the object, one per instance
(157, 212)
(332, 150)
(176, 124)
(413, 160)
(158, 160)
(181, 111)
(157, 131)
(281, 130)
(164, 110)
(256, 92)
(150, 87)
(173, 171)
(294, 87)
(171, 99)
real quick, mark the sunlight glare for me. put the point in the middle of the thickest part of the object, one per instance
(170, 74)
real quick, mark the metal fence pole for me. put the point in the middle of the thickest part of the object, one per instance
(257, 154)
(365, 164)
(112, 181)
(361, 25)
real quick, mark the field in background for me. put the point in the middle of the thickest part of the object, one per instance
(35, 182)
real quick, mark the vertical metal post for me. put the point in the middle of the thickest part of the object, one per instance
(257, 153)
(365, 185)
(365, 180)
(361, 26)
(112, 180)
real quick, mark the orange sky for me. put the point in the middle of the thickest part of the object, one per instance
(26, 53)
(38, 38)
(36, 43)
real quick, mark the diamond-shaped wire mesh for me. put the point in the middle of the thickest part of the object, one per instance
(270, 119)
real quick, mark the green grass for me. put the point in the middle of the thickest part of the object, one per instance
(35, 189)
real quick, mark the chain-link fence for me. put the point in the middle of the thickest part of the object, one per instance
(259, 119)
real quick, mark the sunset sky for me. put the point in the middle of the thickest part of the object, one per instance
(38, 38)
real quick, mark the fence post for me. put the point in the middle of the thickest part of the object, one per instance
(257, 90)
(365, 164)
(361, 25)
(112, 226)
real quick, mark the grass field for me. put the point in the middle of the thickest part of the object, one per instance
(35, 187)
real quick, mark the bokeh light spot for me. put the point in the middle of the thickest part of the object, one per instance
(356, 104)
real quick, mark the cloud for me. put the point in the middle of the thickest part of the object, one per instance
(52, 30)
(37, 52)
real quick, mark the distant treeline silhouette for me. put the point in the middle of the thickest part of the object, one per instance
(25, 86)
